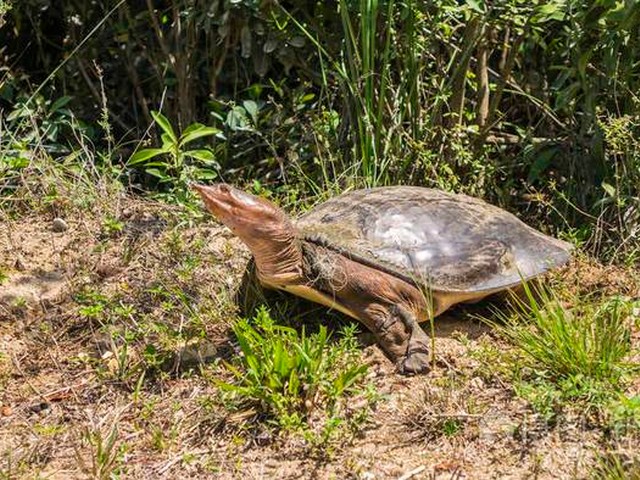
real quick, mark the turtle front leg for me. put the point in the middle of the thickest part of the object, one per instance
(400, 336)
(386, 305)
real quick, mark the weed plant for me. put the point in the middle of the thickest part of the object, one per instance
(175, 165)
(106, 452)
(48, 163)
(288, 376)
(615, 466)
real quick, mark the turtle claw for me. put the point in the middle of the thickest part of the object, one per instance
(404, 341)
(415, 362)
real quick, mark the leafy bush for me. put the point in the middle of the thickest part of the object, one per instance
(173, 167)
(510, 100)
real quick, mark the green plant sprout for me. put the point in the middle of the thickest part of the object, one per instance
(172, 163)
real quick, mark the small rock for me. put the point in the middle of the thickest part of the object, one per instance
(477, 383)
(105, 270)
(112, 364)
(42, 407)
(263, 439)
(6, 411)
(104, 345)
(19, 265)
(59, 225)
(195, 353)
(107, 355)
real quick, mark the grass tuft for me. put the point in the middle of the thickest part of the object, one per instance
(445, 408)
(105, 451)
(614, 466)
(582, 344)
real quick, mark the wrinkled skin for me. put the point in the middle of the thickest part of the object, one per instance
(263, 227)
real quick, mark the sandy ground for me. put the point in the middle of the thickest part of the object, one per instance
(66, 414)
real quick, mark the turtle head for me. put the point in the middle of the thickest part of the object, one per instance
(262, 226)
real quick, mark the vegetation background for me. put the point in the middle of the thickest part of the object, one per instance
(532, 105)
(123, 353)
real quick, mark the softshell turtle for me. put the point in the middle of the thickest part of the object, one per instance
(390, 257)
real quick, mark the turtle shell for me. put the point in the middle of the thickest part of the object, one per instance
(449, 242)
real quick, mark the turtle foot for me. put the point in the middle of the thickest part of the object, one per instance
(415, 362)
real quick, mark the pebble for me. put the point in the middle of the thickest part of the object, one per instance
(19, 265)
(477, 383)
(263, 438)
(194, 353)
(59, 225)
(6, 411)
(42, 408)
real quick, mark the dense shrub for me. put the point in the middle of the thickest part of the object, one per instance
(532, 104)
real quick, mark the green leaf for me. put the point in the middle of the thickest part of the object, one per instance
(164, 125)
(19, 163)
(21, 111)
(609, 189)
(347, 379)
(307, 97)
(237, 119)
(195, 131)
(252, 109)
(191, 128)
(541, 163)
(583, 62)
(59, 103)
(167, 142)
(294, 383)
(549, 11)
(205, 175)
(155, 164)
(475, 5)
(157, 173)
(203, 155)
(142, 155)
